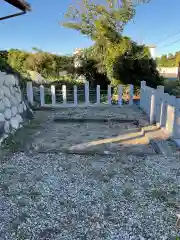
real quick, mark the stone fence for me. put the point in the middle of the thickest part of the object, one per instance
(12, 106)
(56, 94)
(161, 108)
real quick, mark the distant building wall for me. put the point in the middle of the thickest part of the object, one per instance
(168, 70)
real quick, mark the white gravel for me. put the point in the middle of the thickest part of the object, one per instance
(56, 196)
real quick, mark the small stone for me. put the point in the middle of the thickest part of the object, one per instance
(18, 90)
(14, 111)
(24, 106)
(19, 118)
(6, 102)
(16, 81)
(2, 119)
(7, 92)
(98, 225)
(14, 122)
(13, 101)
(9, 169)
(106, 152)
(2, 78)
(23, 202)
(7, 114)
(18, 97)
(12, 90)
(9, 80)
(1, 94)
(20, 108)
(2, 108)
(6, 127)
(13, 80)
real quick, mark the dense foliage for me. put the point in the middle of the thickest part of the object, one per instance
(170, 60)
(47, 64)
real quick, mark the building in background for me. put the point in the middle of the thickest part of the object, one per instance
(152, 49)
(78, 62)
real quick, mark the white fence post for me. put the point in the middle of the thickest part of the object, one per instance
(170, 120)
(163, 111)
(131, 94)
(29, 90)
(64, 93)
(42, 95)
(142, 95)
(120, 94)
(75, 96)
(53, 95)
(159, 99)
(176, 130)
(87, 93)
(98, 94)
(109, 94)
(152, 107)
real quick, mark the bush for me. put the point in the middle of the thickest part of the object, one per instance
(172, 87)
(130, 70)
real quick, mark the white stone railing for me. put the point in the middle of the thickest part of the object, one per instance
(161, 108)
(53, 92)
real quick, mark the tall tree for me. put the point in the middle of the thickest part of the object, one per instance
(104, 21)
(178, 59)
(99, 20)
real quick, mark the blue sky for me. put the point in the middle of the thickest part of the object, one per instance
(39, 28)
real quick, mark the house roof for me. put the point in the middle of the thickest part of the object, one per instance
(20, 4)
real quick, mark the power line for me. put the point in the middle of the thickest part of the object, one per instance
(169, 36)
(169, 43)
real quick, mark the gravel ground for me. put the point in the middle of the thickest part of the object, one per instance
(65, 196)
(55, 196)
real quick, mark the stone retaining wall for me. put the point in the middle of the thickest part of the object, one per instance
(12, 106)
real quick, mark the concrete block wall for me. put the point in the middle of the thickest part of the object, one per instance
(12, 106)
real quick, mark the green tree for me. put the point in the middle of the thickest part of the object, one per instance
(177, 59)
(16, 59)
(104, 24)
(99, 21)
